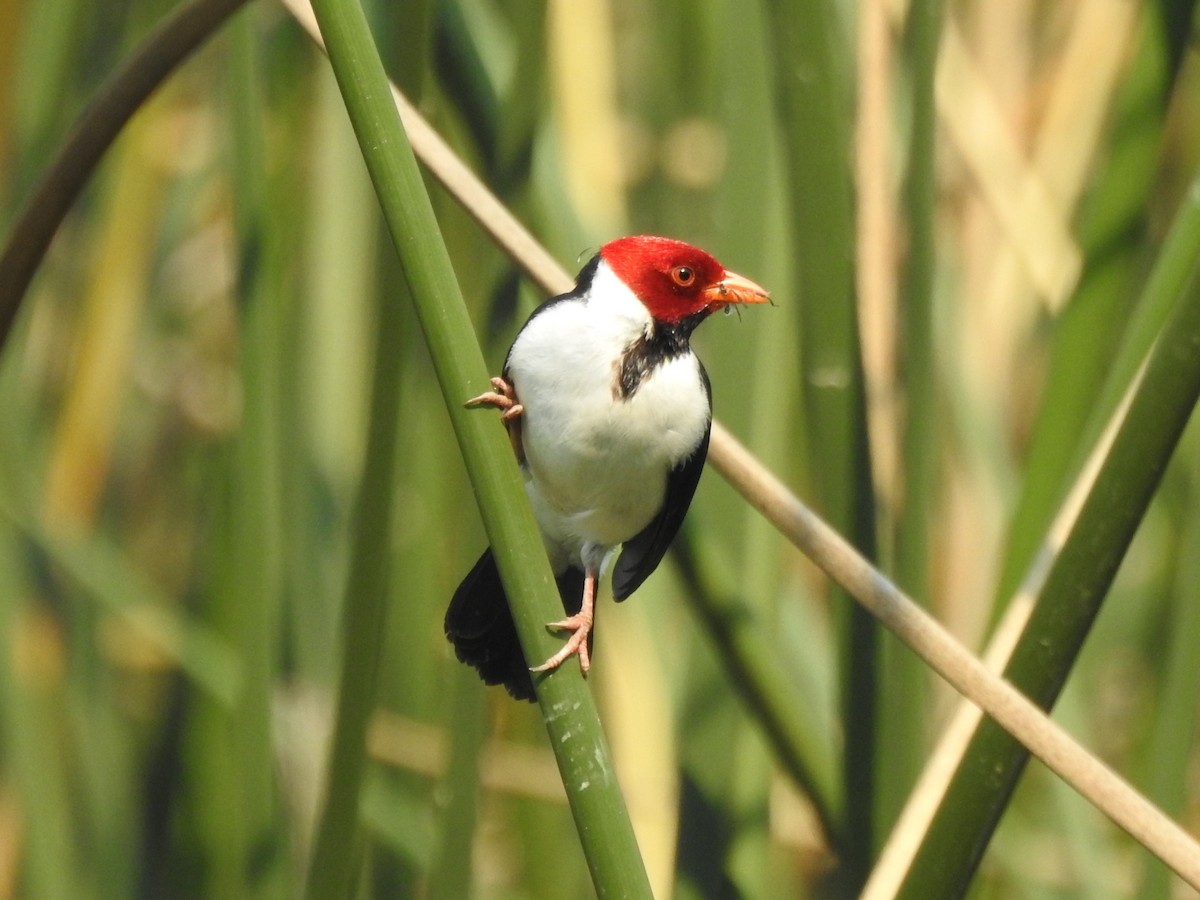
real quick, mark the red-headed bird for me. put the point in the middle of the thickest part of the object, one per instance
(609, 412)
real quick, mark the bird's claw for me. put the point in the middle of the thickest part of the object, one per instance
(502, 396)
(577, 643)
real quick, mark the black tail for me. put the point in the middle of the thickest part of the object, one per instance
(480, 626)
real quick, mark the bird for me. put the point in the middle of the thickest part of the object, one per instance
(609, 412)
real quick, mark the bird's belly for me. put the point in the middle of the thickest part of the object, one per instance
(597, 465)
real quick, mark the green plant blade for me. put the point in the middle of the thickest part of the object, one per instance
(814, 98)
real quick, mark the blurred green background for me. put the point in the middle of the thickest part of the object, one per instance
(955, 260)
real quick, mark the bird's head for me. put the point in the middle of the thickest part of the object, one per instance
(674, 280)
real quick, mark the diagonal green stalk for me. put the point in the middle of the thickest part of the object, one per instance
(1080, 577)
(567, 707)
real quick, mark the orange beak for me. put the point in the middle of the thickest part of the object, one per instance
(734, 288)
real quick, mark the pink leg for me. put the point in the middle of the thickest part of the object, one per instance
(580, 625)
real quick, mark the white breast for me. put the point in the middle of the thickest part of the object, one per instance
(596, 465)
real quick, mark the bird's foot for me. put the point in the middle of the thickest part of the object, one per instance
(580, 625)
(503, 397)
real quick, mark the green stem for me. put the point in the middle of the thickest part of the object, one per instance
(814, 100)
(567, 707)
(337, 851)
(34, 746)
(905, 681)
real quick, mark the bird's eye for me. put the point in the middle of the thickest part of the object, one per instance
(684, 276)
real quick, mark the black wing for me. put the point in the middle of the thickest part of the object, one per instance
(481, 628)
(642, 553)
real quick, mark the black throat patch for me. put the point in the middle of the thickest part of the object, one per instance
(665, 342)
